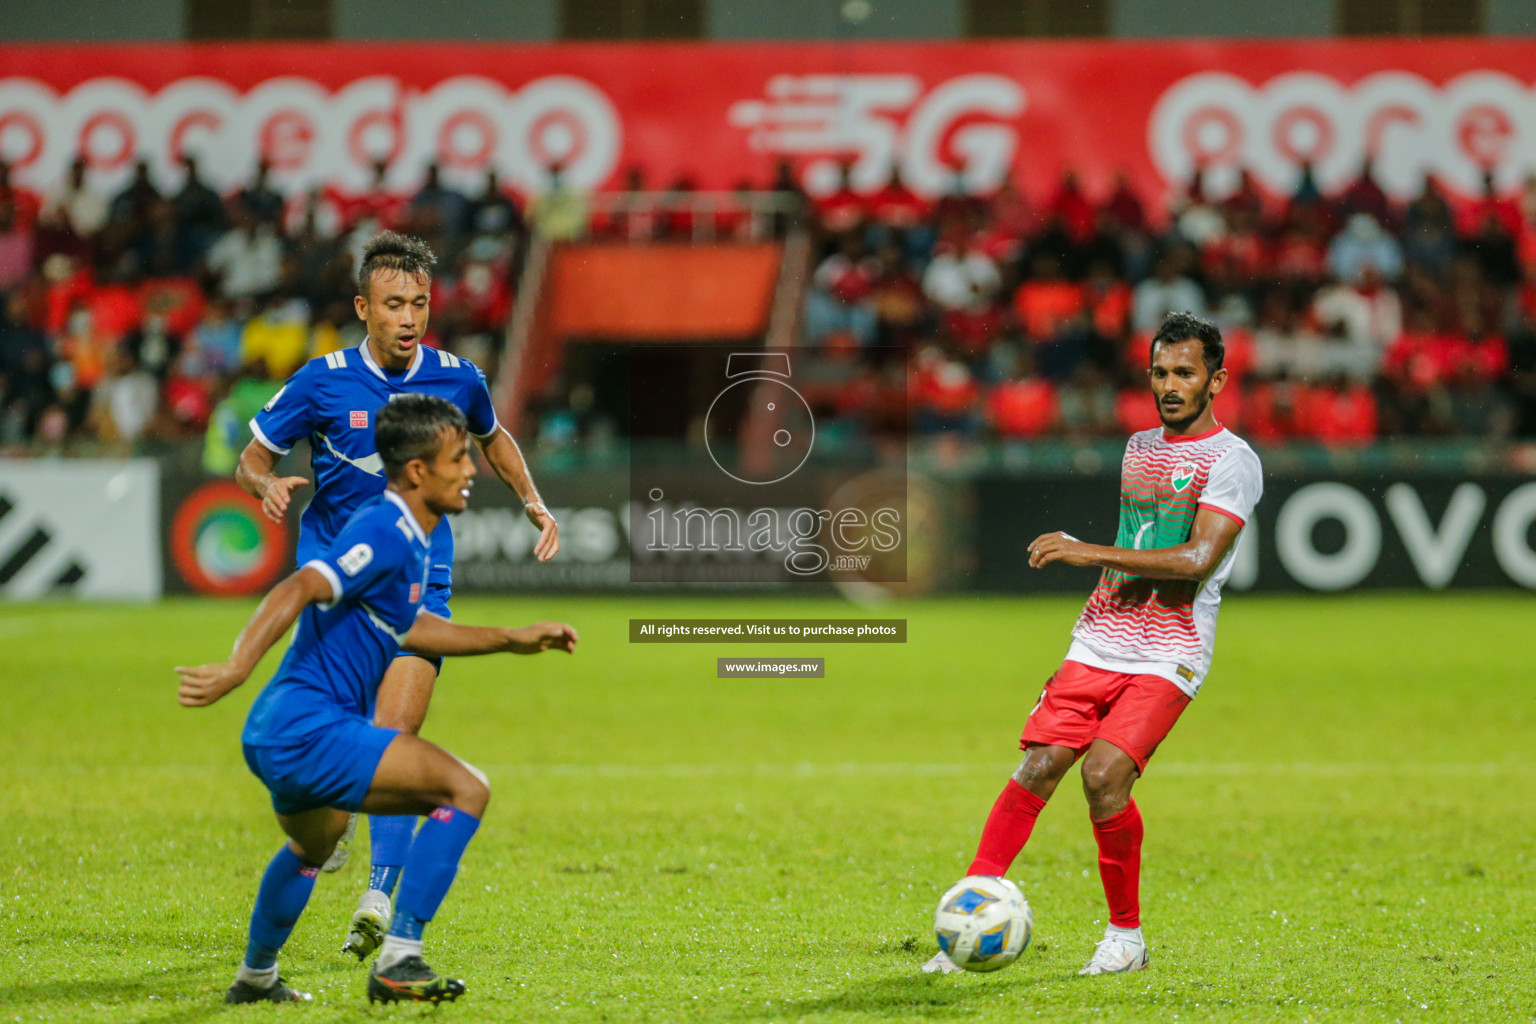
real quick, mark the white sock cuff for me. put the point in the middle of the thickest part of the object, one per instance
(252, 976)
(396, 949)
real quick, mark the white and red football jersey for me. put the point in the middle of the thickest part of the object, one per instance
(1167, 627)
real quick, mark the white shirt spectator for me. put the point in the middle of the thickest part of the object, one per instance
(1358, 326)
(962, 281)
(130, 401)
(1155, 298)
(249, 262)
(84, 208)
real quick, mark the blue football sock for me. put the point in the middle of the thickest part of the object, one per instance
(389, 841)
(280, 899)
(430, 869)
(383, 878)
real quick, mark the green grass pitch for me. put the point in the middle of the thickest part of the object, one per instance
(1341, 828)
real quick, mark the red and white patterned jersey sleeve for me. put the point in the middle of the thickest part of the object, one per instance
(1235, 485)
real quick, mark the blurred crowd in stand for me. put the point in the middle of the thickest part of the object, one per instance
(167, 310)
(1347, 317)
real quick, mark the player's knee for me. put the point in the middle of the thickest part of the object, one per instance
(1104, 780)
(472, 791)
(476, 772)
(1039, 768)
(315, 852)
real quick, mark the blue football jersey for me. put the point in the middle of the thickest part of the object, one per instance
(333, 400)
(377, 567)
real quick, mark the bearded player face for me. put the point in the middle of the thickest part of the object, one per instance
(1182, 384)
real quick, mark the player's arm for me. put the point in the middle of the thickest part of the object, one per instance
(506, 460)
(256, 477)
(1213, 534)
(437, 637)
(201, 685)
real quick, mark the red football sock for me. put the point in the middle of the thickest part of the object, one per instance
(1119, 838)
(1007, 830)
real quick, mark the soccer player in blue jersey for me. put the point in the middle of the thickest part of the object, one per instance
(333, 400)
(309, 737)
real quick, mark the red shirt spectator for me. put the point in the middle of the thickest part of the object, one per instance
(842, 210)
(1506, 209)
(178, 299)
(1483, 357)
(1339, 416)
(480, 295)
(1022, 408)
(1363, 195)
(188, 398)
(24, 202)
(1125, 206)
(1136, 409)
(1072, 207)
(943, 386)
(1240, 355)
(1246, 201)
(896, 205)
(848, 275)
(1045, 305)
(377, 203)
(1421, 357)
(115, 310)
(1108, 301)
(1299, 255)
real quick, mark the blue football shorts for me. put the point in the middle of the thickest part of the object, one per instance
(333, 766)
(436, 602)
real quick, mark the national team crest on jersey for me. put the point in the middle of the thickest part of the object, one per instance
(1183, 473)
(359, 419)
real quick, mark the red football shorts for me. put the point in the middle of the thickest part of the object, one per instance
(1081, 704)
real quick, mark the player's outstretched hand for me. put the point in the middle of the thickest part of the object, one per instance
(549, 530)
(544, 636)
(201, 685)
(275, 502)
(1057, 547)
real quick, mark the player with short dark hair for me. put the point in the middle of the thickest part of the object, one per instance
(310, 737)
(1143, 644)
(333, 400)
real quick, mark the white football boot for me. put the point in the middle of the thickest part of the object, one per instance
(1121, 949)
(369, 923)
(338, 857)
(942, 964)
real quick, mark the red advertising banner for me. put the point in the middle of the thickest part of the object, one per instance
(723, 113)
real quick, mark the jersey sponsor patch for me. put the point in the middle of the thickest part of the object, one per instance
(354, 561)
(359, 419)
(273, 400)
(415, 593)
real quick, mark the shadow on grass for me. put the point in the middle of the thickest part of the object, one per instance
(921, 996)
(176, 995)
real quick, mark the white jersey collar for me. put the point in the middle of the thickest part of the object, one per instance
(410, 517)
(367, 355)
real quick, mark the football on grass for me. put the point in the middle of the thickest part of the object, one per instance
(983, 922)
